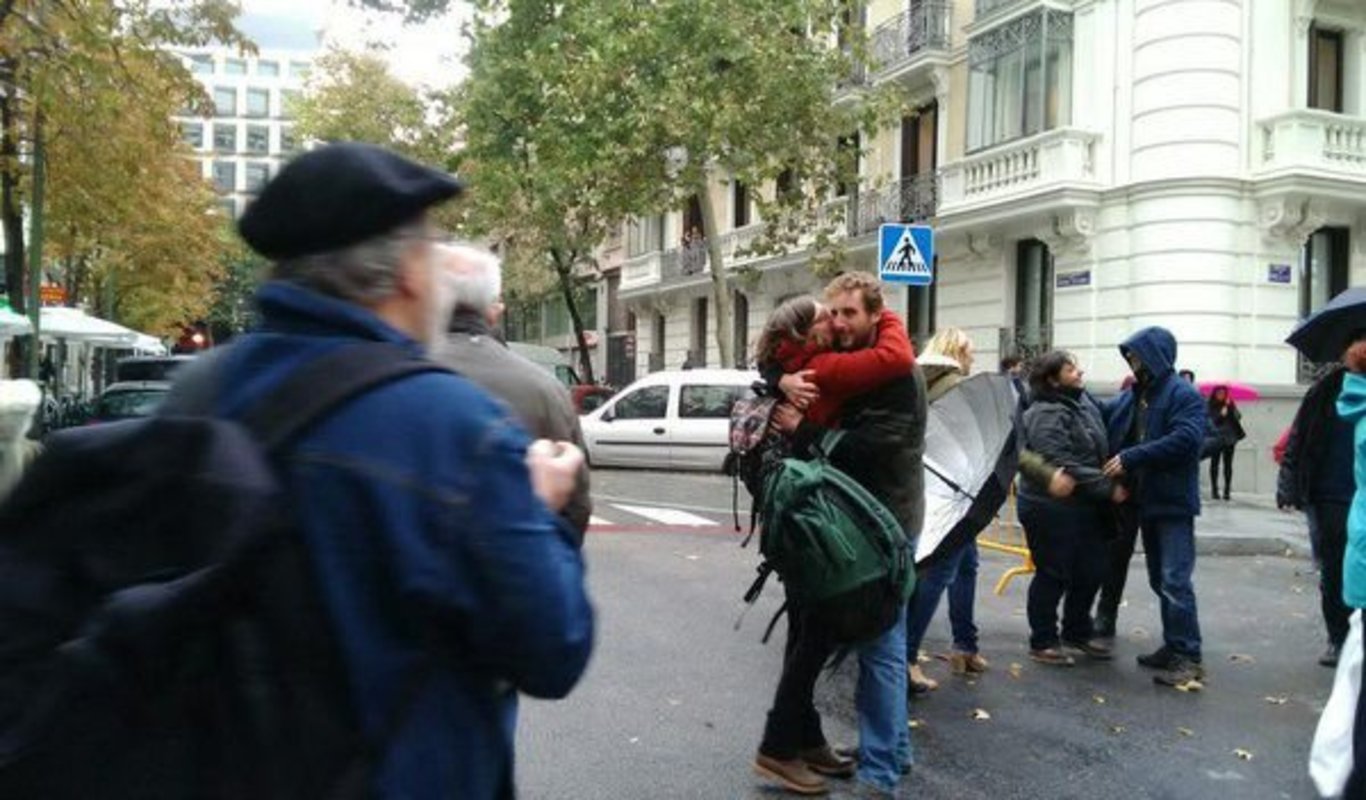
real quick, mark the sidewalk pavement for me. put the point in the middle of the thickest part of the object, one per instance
(1250, 525)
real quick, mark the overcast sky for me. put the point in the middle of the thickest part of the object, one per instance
(427, 54)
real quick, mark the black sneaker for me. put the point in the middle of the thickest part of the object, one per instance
(1330, 656)
(1093, 648)
(1182, 671)
(1162, 658)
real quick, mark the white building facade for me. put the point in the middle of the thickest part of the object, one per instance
(251, 133)
(1091, 167)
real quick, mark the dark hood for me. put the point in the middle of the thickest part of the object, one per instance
(1155, 347)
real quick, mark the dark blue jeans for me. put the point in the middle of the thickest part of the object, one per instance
(1070, 543)
(1169, 548)
(958, 574)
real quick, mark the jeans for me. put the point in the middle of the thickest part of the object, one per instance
(1169, 547)
(958, 573)
(883, 733)
(1224, 454)
(1121, 549)
(793, 723)
(1328, 536)
(1069, 543)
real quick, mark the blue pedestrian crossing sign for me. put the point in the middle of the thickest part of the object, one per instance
(905, 254)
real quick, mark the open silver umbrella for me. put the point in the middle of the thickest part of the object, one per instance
(970, 460)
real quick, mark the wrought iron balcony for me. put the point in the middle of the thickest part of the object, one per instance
(899, 40)
(985, 7)
(912, 199)
(1027, 342)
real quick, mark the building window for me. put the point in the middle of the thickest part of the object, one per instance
(697, 352)
(646, 235)
(557, 319)
(1325, 69)
(739, 204)
(1323, 268)
(298, 69)
(288, 142)
(258, 173)
(258, 102)
(740, 328)
(225, 138)
(848, 149)
(234, 66)
(1033, 332)
(289, 103)
(1020, 78)
(192, 133)
(201, 65)
(225, 101)
(258, 139)
(268, 69)
(225, 176)
(920, 303)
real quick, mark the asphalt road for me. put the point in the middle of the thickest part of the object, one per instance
(674, 700)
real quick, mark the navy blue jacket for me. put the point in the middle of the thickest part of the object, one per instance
(416, 505)
(1164, 461)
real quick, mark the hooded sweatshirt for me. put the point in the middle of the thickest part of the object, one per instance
(1352, 409)
(1157, 427)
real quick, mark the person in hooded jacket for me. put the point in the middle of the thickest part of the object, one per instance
(1351, 407)
(1156, 429)
(1068, 535)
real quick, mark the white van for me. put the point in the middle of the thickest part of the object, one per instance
(678, 419)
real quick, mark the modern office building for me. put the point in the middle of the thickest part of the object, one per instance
(250, 133)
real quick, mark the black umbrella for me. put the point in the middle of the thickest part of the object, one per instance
(1327, 333)
(970, 459)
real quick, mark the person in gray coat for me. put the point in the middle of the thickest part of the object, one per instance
(475, 279)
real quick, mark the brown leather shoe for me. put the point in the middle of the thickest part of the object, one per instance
(824, 760)
(793, 775)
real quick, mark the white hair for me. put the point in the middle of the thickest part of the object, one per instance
(19, 401)
(475, 275)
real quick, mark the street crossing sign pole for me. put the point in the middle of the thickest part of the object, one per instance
(906, 254)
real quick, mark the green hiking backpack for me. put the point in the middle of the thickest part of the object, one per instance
(840, 553)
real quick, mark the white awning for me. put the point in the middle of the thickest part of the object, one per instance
(76, 325)
(12, 324)
(150, 345)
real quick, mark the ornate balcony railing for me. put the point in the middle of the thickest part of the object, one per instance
(912, 199)
(985, 7)
(1059, 156)
(903, 37)
(1027, 342)
(1313, 139)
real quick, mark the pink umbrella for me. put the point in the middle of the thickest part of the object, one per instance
(1239, 392)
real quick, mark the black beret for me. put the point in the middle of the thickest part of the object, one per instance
(338, 195)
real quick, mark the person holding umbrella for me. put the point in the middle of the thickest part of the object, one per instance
(1068, 535)
(1227, 422)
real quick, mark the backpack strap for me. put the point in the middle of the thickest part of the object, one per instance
(324, 384)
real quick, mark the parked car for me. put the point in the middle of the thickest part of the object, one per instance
(587, 396)
(129, 400)
(148, 368)
(679, 419)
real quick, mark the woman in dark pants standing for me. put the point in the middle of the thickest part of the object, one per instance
(1068, 536)
(1227, 422)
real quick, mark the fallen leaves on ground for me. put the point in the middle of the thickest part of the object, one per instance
(1276, 701)
(1117, 729)
(1139, 633)
(1016, 670)
(1245, 755)
(1242, 658)
(980, 715)
(1191, 685)
(1185, 731)
(1100, 701)
(1297, 589)
(915, 724)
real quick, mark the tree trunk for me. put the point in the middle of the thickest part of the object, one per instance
(720, 286)
(12, 217)
(564, 270)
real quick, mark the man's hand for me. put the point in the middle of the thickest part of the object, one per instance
(1119, 494)
(554, 468)
(1061, 484)
(1114, 468)
(799, 389)
(785, 418)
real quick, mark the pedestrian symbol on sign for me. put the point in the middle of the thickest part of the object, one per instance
(906, 254)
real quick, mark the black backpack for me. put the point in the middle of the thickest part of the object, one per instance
(161, 635)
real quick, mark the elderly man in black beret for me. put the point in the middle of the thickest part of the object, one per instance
(428, 516)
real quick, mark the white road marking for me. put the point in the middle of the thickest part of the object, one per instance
(666, 516)
(596, 520)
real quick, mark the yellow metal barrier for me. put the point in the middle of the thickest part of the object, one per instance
(1007, 536)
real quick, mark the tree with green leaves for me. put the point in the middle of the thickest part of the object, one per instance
(580, 114)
